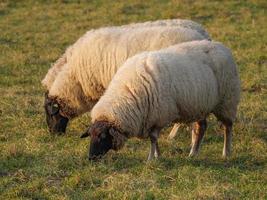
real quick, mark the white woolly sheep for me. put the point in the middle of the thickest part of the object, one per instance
(183, 83)
(57, 66)
(93, 60)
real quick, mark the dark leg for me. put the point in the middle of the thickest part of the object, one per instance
(154, 151)
(198, 131)
(227, 138)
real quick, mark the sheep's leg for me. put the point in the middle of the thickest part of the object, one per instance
(154, 150)
(227, 138)
(174, 131)
(198, 131)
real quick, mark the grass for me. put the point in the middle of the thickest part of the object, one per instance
(37, 165)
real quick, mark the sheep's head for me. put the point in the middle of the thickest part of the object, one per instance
(104, 137)
(56, 118)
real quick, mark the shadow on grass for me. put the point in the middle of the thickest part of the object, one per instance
(113, 162)
(263, 137)
(10, 164)
(244, 163)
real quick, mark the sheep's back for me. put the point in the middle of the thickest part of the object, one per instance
(57, 67)
(99, 57)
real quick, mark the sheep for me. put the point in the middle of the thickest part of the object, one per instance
(57, 66)
(183, 83)
(93, 60)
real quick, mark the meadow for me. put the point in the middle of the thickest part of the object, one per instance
(35, 164)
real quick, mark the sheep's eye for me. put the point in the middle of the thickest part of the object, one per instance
(55, 108)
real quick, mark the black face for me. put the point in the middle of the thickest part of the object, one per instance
(104, 137)
(55, 121)
(100, 144)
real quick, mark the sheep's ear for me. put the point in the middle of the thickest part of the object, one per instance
(118, 139)
(86, 133)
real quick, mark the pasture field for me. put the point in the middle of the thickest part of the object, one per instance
(35, 164)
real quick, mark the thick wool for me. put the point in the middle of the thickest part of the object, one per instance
(62, 61)
(182, 83)
(172, 22)
(96, 57)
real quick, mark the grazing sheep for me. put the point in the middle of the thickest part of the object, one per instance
(91, 62)
(182, 83)
(57, 66)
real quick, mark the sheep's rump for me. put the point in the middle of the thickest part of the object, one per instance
(182, 83)
(61, 62)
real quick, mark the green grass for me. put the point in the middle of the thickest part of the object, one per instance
(37, 165)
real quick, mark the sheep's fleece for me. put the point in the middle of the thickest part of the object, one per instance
(182, 83)
(88, 66)
(58, 65)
